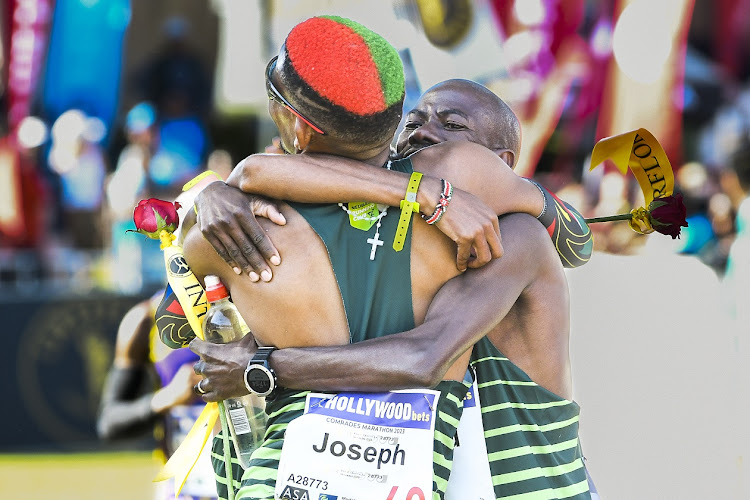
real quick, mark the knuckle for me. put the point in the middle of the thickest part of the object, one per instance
(249, 250)
(257, 238)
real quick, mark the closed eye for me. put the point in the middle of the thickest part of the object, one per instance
(454, 126)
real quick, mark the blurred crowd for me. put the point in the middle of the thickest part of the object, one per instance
(82, 179)
(79, 177)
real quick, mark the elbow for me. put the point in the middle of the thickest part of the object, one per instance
(426, 369)
(247, 173)
(431, 377)
(105, 431)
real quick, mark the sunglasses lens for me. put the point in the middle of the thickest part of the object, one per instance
(274, 95)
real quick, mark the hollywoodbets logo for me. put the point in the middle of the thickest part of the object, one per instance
(292, 493)
(326, 496)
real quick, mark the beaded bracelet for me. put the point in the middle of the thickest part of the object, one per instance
(445, 198)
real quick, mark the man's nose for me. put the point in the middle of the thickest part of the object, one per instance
(425, 134)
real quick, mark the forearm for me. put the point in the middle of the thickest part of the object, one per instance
(124, 413)
(460, 314)
(318, 178)
(566, 226)
(365, 366)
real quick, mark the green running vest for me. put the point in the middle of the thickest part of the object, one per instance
(377, 300)
(531, 433)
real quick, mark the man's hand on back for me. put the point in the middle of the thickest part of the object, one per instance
(226, 217)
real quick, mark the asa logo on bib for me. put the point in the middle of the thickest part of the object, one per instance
(292, 493)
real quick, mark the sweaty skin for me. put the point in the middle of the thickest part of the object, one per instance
(452, 111)
(322, 321)
(455, 112)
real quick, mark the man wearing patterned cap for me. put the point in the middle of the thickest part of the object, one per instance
(389, 291)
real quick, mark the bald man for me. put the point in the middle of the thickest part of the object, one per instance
(452, 111)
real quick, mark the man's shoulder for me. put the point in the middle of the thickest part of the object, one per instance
(526, 225)
(524, 232)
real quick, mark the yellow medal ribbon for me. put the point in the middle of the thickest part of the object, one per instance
(192, 298)
(641, 152)
(186, 455)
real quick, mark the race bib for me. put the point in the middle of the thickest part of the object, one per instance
(470, 474)
(360, 446)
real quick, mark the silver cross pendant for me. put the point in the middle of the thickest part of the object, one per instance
(375, 242)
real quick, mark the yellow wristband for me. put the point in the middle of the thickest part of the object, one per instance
(408, 205)
(195, 180)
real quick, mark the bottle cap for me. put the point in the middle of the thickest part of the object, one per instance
(215, 289)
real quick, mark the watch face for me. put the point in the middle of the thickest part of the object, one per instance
(259, 380)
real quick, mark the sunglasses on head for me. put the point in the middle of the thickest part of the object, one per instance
(275, 95)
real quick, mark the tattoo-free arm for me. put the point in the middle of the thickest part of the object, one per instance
(125, 408)
(462, 312)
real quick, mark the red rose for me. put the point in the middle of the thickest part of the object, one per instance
(667, 215)
(152, 216)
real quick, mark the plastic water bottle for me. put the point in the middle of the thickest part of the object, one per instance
(246, 416)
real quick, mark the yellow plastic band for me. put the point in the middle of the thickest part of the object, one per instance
(195, 180)
(408, 205)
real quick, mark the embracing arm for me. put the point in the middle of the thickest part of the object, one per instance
(228, 223)
(462, 312)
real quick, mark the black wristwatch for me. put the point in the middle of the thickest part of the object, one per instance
(260, 378)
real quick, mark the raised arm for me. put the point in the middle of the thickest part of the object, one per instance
(465, 309)
(224, 218)
(227, 220)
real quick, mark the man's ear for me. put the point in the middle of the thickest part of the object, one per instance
(302, 135)
(507, 156)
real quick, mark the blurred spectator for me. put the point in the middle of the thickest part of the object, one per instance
(178, 85)
(699, 238)
(79, 159)
(175, 80)
(149, 388)
(737, 276)
(135, 259)
(220, 161)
